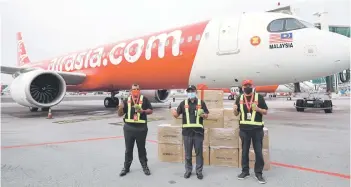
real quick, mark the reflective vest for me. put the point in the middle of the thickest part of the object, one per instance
(129, 115)
(188, 124)
(253, 115)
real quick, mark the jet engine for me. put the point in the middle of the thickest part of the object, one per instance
(38, 88)
(156, 96)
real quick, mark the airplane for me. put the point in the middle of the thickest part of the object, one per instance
(269, 48)
(272, 90)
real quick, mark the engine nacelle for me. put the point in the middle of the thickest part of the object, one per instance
(156, 96)
(38, 88)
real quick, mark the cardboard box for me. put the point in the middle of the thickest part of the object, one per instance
(224, 156)
(214, 120)
(212, 98)
(170, 152)
(230, 120)
(206, 137)
(266, 158)
(265, 142)
(224, 137)
(168, 134)
(206, 155)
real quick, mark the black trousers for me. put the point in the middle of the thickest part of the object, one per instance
(257, 138)
(130, 136)
(195, 141)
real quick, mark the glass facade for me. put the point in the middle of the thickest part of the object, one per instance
(340, 30)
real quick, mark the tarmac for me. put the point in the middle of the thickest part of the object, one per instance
(83, 146)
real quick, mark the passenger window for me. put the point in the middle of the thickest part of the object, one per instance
(276, 25)
(167, 42)
(293, 24)
(190, 38)
(198, 37)
(154, 45)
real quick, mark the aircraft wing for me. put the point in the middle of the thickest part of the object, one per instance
(71, 78)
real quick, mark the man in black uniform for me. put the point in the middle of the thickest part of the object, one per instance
(194, 111)
(135, 128)
(251, 107)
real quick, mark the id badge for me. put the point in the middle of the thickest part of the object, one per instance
(135, 117)
(248, 116)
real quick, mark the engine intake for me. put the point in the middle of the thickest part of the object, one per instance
(38, 88)
(157, 96)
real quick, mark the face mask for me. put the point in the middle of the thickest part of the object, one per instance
(191, 95)
(135, 93)
(248, 90)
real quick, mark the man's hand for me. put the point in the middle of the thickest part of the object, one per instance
(205, 116)
(121, 104)
(140, 111)
(235, 107)
(174, 113)
(258, 109)
(120, 111)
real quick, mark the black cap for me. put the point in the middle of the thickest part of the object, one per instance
(191, 87)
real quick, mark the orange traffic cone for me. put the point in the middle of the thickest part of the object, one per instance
(49, 114)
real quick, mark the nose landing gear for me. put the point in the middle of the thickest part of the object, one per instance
(111, 102)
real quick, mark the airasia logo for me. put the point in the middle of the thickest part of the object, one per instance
(130, 52)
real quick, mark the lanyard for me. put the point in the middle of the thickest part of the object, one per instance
(248, 106)
(135, 100)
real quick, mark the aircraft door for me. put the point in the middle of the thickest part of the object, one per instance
(228, 37)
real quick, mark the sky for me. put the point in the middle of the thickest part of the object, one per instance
(54, 27)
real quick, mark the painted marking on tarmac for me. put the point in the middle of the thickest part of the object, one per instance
(60, 142)
(82, 119)
(155, 141)
(100, 118)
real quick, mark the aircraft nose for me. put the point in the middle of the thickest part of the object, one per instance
(339, 51)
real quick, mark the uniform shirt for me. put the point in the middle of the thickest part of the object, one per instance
(138, 126)
(261, 104)
(192, 108)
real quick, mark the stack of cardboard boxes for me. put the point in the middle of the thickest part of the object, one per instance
(222, 145)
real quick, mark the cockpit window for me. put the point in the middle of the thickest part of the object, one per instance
(276, 25)
(307, 24)
(293, 24)
(288, 24)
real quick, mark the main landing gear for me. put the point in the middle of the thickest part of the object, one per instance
(34, 109)
(111, 102)
(315, 103)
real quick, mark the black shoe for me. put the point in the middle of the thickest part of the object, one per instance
(243, 175)
(124, 172)
(187, 174)
(146, 170)
(200, 176)
(260, 179)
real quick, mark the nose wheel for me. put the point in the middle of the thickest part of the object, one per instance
(111, 102)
